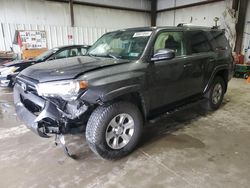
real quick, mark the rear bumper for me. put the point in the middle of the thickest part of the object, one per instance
(231, 74)
(231, 71)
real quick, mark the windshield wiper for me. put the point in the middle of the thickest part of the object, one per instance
(107, 55)
(113, 56)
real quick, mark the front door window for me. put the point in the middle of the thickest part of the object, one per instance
(170, 40)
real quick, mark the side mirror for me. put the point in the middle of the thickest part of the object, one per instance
(163, 54)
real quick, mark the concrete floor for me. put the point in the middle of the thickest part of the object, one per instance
(190, 149)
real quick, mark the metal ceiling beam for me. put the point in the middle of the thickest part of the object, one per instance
(102, 6)
(240, 25)
(235, 4)
(189, 5)
(153, 12)
(71, 10)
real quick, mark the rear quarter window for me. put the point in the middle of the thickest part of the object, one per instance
(198, 42)
(220, 40)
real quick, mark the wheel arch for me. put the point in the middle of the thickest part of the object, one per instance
(224, 75)
(221, 71)
(129, 94)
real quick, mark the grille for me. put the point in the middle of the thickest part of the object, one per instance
(27, 85)
(32, 107)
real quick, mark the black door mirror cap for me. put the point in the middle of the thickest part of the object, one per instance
(163, 54)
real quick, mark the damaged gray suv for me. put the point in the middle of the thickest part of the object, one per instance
(127, 78)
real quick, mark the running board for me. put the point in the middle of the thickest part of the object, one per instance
(173, 111)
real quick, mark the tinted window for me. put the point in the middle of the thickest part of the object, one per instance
(170, 40)
(198, 42)
(221, 42)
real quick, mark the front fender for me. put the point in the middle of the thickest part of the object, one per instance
(108, 87)
(119, 92)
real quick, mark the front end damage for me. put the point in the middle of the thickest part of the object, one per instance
(46, 116)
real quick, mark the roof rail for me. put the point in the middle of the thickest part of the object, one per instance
(194, 26)
(215, 27)
(184, 24)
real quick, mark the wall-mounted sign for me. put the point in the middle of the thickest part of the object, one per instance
(32, 39)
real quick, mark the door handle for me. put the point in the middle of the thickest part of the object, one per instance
(188, 65)
(211, 60)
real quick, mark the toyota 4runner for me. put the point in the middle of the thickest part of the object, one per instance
(127, 78)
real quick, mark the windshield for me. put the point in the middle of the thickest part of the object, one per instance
(121, 45)
(46, 54)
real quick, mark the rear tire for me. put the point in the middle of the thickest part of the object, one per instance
(113, 131)
(215, 94)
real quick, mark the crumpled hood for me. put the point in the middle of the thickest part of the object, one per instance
(18, 63)
(68, 68)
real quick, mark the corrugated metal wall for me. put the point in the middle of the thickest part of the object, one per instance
(54, 18)
(56, 35)
(199, 15)
(195, 15)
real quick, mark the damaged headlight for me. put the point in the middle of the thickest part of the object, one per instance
(67, 89)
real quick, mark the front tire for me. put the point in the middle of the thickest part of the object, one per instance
(215, 94)
(113, 131)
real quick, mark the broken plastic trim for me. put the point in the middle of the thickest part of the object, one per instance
(60, 138)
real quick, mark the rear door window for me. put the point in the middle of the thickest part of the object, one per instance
(73, 52)
(79, 51)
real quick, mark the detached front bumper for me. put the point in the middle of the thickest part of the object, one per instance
(45, 117)
(32, 120)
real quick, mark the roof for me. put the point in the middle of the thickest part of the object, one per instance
(180, 27)
(72, 46)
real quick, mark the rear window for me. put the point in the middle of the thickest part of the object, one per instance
(220, 41)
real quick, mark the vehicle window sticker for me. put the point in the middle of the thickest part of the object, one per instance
(132, 54)
(142, 34)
